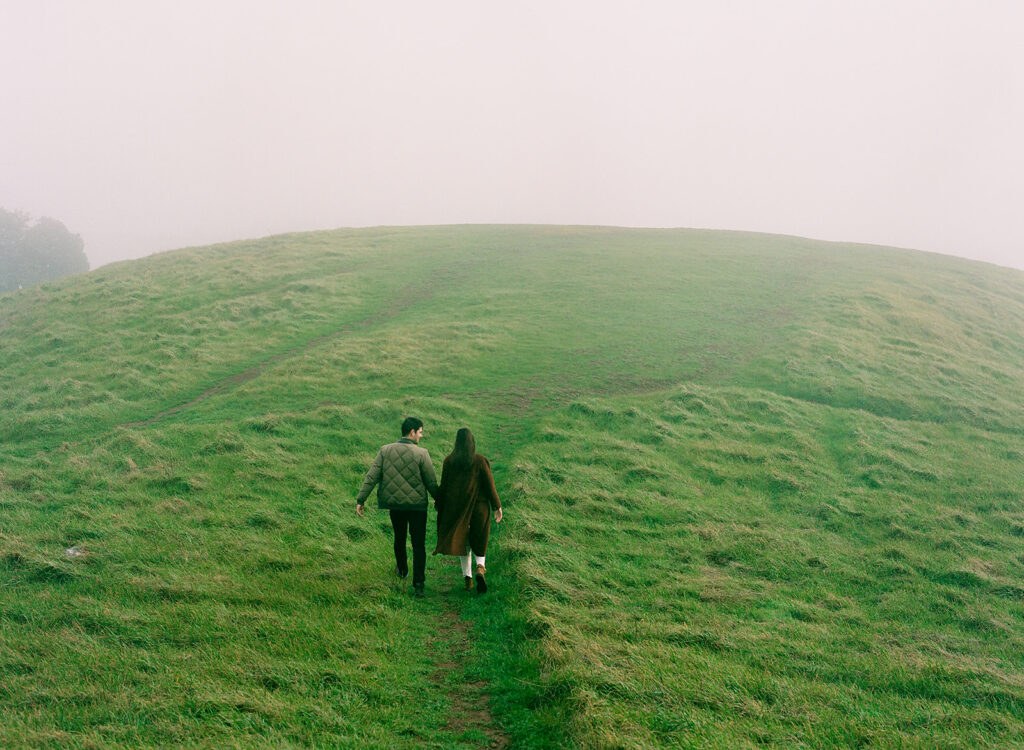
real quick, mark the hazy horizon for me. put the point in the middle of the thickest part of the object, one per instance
(164, 125)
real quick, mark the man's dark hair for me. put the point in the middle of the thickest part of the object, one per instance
(411, 424)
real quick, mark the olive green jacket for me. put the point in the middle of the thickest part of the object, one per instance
(404, 474)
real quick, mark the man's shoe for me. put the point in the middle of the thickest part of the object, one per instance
(469, 583)
(401, 573)
(417, 590)
(481, 582)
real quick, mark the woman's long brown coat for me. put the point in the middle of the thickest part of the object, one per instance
(462, 489)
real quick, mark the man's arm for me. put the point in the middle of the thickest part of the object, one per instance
(372, 477)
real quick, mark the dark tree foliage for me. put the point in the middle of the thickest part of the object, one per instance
(33, 253)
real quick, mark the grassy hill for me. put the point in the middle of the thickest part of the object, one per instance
(760, 491)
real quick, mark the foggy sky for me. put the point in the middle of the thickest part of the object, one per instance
(155, 125)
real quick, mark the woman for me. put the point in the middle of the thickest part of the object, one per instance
(464, 503)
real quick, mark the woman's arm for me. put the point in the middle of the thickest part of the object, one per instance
(490, 490)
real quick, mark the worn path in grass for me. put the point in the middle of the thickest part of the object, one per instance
(449, 651)
(470, 714)
(409, 296)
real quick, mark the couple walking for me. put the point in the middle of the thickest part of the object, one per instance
(404, 476)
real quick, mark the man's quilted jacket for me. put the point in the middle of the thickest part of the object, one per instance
(405, 475)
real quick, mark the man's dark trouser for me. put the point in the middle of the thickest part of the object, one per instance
(416, 521)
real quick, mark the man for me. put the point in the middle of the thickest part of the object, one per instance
(405, 475)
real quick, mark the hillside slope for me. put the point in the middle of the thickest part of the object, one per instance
(761, 491)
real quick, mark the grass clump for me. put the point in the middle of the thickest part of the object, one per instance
(751, 588)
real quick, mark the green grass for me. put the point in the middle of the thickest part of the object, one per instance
(760, 491)
(763, 571)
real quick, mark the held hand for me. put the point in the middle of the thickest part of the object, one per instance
(497, 515)
(359, 510)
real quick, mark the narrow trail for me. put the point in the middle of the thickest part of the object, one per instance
(410, 295)
(233, 381)
(470, 713)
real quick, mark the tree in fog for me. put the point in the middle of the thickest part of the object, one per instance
(31, 253)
